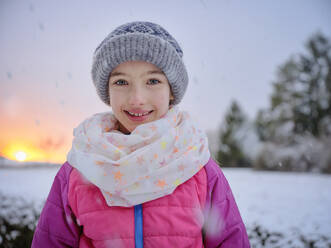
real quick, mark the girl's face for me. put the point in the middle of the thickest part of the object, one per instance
(139, 93)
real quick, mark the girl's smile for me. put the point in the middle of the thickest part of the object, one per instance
(139, 93)
(138, 114)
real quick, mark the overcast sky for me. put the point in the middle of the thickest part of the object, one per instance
(231, 50)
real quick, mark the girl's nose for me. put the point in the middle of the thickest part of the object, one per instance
(137, 97)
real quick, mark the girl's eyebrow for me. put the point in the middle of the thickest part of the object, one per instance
(155, 72)
(113, 74)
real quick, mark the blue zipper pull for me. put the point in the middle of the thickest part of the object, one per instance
(138, 226)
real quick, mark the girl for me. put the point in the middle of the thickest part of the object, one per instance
(141, 175)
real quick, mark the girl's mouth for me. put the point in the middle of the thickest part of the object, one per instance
(138, 116)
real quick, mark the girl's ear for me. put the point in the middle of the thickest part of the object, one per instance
(171, 96)
(171, 99)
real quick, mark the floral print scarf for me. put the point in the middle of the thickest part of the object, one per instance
(145, 165)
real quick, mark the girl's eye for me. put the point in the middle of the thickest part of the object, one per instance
(153, 81)
(120, 82)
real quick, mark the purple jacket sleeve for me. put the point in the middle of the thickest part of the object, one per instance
(223, 224)
(56, 226)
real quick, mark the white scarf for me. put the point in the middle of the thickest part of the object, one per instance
(145, 165)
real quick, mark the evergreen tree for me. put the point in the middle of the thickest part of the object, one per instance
(301, 98)
(296, 128)
(230, 153)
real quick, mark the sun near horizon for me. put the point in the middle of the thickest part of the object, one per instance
(27, 153)
(20, 156)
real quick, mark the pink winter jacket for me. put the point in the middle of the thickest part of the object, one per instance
(200, 213)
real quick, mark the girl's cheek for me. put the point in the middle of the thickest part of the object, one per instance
(117, 94)
(161, 99)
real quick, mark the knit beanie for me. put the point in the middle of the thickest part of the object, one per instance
(143, 41)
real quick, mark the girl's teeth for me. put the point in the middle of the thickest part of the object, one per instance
(136, 114)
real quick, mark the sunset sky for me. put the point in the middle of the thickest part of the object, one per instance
(231, 50)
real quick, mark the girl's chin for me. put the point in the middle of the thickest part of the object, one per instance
(130, 127)
(124, 130)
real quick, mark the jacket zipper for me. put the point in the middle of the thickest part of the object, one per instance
(138, 226)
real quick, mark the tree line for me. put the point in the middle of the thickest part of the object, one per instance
(294, 132)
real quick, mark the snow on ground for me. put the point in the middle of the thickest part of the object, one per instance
(281, 201)
(277, 201)
(31, 183)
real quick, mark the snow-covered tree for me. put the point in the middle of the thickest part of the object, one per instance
(232, 135)
(301, 98)
(299, 115)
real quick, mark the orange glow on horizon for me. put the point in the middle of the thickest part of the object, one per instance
(21, 151)
(34, 131)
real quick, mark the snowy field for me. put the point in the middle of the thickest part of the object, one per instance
(278, 201)
(281, 201)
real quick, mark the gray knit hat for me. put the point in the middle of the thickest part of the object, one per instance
(144, 41)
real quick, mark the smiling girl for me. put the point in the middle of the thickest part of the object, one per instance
(140, 175)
